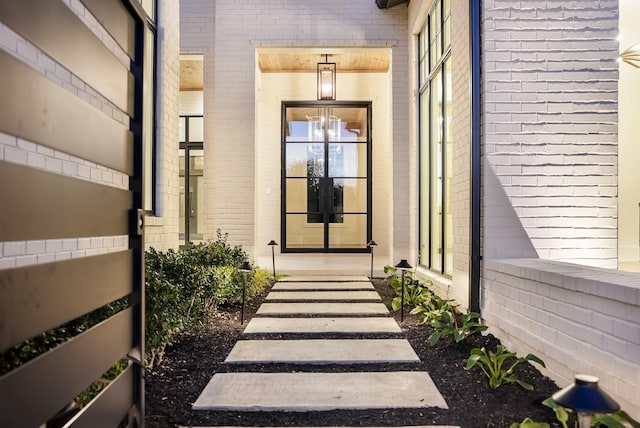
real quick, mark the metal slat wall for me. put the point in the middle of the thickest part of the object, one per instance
(41, 204)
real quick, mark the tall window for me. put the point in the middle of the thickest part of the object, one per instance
(436, 216)
(191, 178)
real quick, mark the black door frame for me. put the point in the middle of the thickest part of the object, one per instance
(283, 211)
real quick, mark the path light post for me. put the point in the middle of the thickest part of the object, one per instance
(371, 244)
(403, 265)
(273, 244)
(245, 268)
(585, 398)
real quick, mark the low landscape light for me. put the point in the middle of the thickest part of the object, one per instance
(371, 244)
(273, 244)
(245, 268)
(585, 398)
(403, 266)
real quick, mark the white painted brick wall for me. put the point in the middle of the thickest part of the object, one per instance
(227, 34)
(578, 319)
(550, 127)
(32, 154)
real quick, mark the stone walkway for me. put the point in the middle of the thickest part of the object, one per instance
(321, 307)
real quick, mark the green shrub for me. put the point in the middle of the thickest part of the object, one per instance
(183, 284)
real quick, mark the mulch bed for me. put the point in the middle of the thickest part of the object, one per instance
(193, 359)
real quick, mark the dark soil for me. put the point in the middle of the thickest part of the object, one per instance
(191, 361)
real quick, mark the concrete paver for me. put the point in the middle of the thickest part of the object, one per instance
(300, 392)
(346, 325)
(351, 285)
(322, 309)
(323, 351)
(324, 278)
(344, 296)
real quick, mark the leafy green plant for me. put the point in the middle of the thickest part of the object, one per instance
(528, 423)
(459, 329)
(415, 291)
(492, 365)
(620, 419)
(432, 309)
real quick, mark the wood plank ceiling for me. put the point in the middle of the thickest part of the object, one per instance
(364, 61)
(286, 62)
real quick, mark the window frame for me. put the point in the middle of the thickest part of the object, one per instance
(428, 71)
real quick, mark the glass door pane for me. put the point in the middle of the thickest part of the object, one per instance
(196, 195)
(326, 186)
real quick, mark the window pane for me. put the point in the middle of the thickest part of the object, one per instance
(424, 178)
(448, 185)
(350, 233)
(353, 195)
(304, 124)
(182, 129)
(447, 24)
(196, 195)
(196, 129)
(436, 171)
(302, 234)
(181, 196)
(149, 6)
(147, 120)
(347, 160)
(347, 124)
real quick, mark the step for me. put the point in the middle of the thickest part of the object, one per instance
(301, 392)
(351, 285)
(323, 309)
(269, 325)
(322, 351)
(324, 295)
(324, 278)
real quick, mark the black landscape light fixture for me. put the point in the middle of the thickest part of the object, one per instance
(585, 398)
(403, 266)
(371, 244)
(326, 79)
(245, 268)
(273, 244)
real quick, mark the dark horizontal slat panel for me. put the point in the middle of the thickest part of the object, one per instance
(33, 393)
(37, 298)
(40, 205)
(110, 407)
(55, 29)
(38, 110)
(116, 19)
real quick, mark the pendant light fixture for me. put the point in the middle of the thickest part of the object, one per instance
(326, 79)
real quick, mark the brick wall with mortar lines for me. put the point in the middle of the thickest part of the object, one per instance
(578, 319)
(20, 151)
(461, 129)
(235, 29)
(550, 123)
(161, 229)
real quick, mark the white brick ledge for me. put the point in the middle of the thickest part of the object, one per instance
(607, 283)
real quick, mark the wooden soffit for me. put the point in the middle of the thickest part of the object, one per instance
(364, 60)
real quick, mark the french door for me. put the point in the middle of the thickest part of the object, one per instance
(326, 176)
